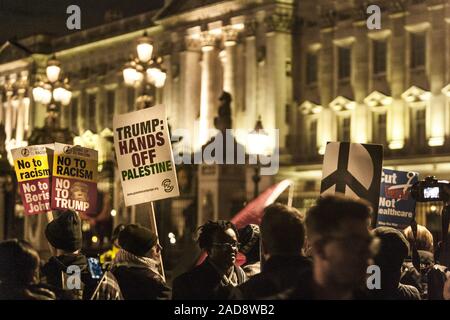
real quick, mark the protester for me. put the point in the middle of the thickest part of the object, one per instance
(19, 272)
(392, 252)
(136, 265)
(283, 236)
(337, 229)
(65, 236)
(424, 246)
(214, 278)
(108, 256)
(249, 237)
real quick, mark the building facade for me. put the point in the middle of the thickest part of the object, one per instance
(311, 69)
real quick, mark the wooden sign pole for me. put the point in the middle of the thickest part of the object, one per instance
(155, 229)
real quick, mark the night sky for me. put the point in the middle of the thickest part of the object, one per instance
(21, 18)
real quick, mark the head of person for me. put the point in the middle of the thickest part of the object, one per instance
(337, 229)
(393, 249)
(115, 234)
(64, 232)
(424, 238)
(282, 230)
(249, 237)
(220, 241)
(19, 263)
(140, 241)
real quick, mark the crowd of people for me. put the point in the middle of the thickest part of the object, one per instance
(329, 253)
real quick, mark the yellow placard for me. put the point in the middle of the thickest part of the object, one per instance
(69, 166)
(31, 168)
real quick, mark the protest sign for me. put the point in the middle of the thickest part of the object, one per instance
(74, 180)
(33, 176)
(353, 169)
(144, 156)
(396, 206)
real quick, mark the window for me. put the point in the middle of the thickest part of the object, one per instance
(74, 115)
(417, 50)
(311, 68)
(379, 57)
(92, 105)
(313, 137)
(344, 65)
(420, 134)
(130, 98)
(344, 129)
(110, 107)
(379, 128)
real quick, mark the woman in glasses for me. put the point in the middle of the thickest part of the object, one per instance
(214, 278)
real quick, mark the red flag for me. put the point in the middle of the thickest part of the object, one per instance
(253, 212)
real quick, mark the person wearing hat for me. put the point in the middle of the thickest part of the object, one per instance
(136, 265)
(65, 237)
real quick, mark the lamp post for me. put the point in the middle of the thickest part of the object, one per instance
(257, 145)
(145, 71)
(53, 91)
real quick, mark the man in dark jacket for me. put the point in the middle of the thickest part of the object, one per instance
(214, 278)
(65, 236)
(337, 229)
(283, 236)
(393, 250)
(136, 265)
(19, 270)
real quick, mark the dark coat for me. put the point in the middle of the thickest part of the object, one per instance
(203, 282)
(54, 268)
(279, 274)
(140, 283)
(29, 292)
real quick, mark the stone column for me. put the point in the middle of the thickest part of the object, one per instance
(20, 120)
(8, 116)
(360, 125)
(436, 48)
(189, 90)
(208, 99)
(278, 82)
(326, 126)
(251, 77)
(397, 113)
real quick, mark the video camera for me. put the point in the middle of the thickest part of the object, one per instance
(430, 189)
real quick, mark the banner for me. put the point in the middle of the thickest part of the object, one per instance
(74, 179)
(144, 156)
(396, 207)
(353, 169)
(33, 175)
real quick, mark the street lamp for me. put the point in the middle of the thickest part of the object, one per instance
(258, 142)
(144, 71)
(52, 91)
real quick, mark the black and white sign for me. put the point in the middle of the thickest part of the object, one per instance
(353, 169)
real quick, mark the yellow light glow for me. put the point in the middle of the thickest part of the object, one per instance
(433, 208)
(215, 31)
(113, 212)
(436, 141)
(94, 239)
(238, 26)
(396, 144)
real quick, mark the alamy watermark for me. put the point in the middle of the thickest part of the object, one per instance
(73, 21)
